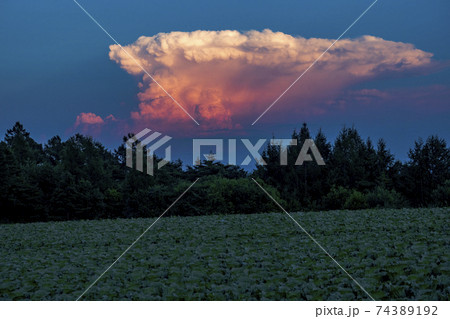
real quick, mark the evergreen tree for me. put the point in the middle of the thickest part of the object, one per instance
(81, 179)
(348, 160)
(427, 170)
(22, 146)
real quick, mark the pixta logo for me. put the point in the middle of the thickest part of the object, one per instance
(308, 147)
(142, 140)
(150, 148)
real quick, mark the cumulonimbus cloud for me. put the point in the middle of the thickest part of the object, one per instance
(225, 79)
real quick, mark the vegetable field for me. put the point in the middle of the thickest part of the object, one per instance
(394, 254)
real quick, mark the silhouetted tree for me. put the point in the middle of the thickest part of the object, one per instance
(80, 179)
(428, 169)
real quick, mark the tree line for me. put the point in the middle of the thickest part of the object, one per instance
(81, 179)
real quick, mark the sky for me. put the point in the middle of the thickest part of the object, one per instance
(225, 63)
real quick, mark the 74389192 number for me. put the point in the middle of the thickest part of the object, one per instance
(407, 311)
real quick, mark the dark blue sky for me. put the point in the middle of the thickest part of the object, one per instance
(54, 61)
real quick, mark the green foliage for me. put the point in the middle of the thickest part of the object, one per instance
(80, 179)
(359, 175)
(427, 170)
(393, 254)
(22, 146)
(348, 160)
(220, 195)
(441, 195)
(336, 198)
(356, 200)
(384, 198)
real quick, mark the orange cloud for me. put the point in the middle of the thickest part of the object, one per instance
(225, 79)
(88, 118)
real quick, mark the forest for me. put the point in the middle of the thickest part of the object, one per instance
(79, 178)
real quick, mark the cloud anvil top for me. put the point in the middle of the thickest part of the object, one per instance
(227, 77)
